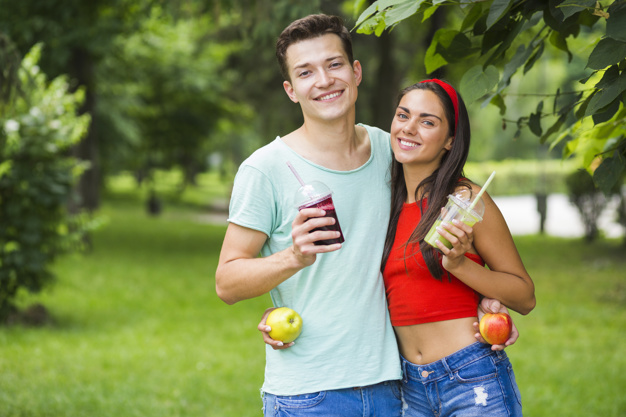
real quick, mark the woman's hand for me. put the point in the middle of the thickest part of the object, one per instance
(265, 329)
(461, 236)
(489, 305)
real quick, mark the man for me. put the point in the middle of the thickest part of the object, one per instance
(346, 360)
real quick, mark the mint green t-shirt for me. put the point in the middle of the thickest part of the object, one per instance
(347, 338)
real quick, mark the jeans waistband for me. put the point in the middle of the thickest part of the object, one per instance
(449, 364)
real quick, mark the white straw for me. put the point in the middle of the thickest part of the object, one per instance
(295, 173)
(482, 190)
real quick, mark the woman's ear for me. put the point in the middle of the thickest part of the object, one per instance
(449, 143)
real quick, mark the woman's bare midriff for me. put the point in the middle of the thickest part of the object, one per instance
(426, 343)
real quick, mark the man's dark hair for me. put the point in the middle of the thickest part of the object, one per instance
(307, 28)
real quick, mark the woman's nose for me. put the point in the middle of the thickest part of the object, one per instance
(410, 127)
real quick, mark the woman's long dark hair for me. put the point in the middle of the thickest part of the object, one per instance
(444, 181)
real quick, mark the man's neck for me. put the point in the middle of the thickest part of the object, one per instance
(336, 145)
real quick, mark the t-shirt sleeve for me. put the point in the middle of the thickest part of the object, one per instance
(252, 202)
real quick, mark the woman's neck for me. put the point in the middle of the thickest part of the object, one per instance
(413, 177)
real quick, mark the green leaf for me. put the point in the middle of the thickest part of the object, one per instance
(429, 12)
(504, 37)
(5, 166)
(610, 75)
(368, 26)
(606, 113)
(605, 96)
(498, 101)
(607, 52)
(497, 10)
(570, 7)
(390, 13)
(534, 122)
(521, 56)
(477, 82)
(554, 128)
(433, 58)
(609, 173)
(367, 13)
(472, 16)
(380, 27)
(616, 22)
(584, 80)
(557, 39)
(454, 47)
(535, 56)
(401, 10)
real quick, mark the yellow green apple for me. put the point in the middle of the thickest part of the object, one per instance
(286, 324)
(495, 328)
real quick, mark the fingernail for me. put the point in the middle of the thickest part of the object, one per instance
(279, 344)
(268, 329)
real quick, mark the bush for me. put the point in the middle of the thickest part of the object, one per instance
(518, 177)
(588, 199)
(38, 127)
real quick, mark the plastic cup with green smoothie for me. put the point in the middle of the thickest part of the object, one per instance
(458, 207)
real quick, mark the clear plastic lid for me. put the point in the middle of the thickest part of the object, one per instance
(311, 193)
(464, 197)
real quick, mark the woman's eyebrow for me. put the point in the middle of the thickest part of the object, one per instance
(406, 110)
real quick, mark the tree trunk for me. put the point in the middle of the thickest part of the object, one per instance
(82, 70)
(386, 85)
(437, 21)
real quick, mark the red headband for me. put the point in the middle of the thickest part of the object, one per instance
(452, 94)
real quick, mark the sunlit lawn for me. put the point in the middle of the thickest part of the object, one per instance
(138, 330)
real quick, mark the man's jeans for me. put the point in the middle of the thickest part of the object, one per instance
(380, 400)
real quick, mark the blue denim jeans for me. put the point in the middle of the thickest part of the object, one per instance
(380, 400)
(472, 382)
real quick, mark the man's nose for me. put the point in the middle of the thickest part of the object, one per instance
(324, 79)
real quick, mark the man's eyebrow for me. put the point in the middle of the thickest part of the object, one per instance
(406, 110)
(306, 64)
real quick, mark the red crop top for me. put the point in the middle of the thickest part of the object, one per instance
(416, 297)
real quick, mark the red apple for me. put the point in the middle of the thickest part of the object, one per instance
(495, 328)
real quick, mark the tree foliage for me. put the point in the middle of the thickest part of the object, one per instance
(503, 38)
(164, 96)
(36, 179)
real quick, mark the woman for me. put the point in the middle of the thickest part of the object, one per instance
(433, 294)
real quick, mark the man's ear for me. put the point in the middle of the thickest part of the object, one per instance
(358, 71)
(289, 90)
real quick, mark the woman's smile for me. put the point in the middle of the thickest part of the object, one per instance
(407, 145)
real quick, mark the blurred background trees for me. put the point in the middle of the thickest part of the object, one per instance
(193, 85)
(40, 125)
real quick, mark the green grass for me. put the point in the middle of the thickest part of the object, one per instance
(139, 331)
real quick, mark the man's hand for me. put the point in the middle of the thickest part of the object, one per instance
(265, 329)
(489, 305)
(304, 247)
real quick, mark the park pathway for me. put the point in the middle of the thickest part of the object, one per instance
(522, 217)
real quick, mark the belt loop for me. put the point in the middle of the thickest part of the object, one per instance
(448, 370)
(405, 376)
